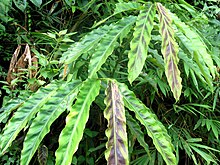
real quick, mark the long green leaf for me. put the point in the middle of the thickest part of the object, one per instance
(169, 50)
(192, 67)
(154, 127)
(10, 106)
(208, 157)
(195, 43)
(24, 114)
(190, 42)
(117, 145)
(75, 122)
(46, 116)
(126, 6)
(109, 42)
(120, 8)
(87, 43)
(136, 131)
(139, 44)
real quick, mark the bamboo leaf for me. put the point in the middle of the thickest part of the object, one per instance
(154, 127)
(203, 69)
(75, 122)
(24, 114)
(204, 155)
(117, 145)
(139, 44)
(169, 50)
(191, 65)
(86, 44)
(46, 116)
(109, 42)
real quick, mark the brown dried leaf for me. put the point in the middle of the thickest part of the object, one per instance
(11, 69)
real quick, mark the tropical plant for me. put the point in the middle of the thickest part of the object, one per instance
(142, 67)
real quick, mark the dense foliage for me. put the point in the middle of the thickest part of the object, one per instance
(116, 82)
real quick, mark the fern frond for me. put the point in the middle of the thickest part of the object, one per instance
(154, 127)
(47, 115)
(75, 122)
(139, 44)
(117, 145)
(109, 42)
(25, 113)
(87, 43)
(169, 49)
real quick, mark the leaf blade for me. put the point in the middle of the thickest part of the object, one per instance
(117, 149)
(139, 44)
(46, 116)
(169, 49)
(25, 113)
(196, 48)
(108, 43)
(75, 122)
(86, 44)
(154, 127)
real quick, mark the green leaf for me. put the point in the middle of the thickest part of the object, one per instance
(75, 122)
(2, 28)
(109, 42)
(36, 2)
(196, 48)
(198, 45)
(169, 50)
(139, 44)
(204, 155)
(87, 43)
(204, 147)
(20, 4)
(121, 7)
(136, 131)
(25, 113)
(9, 107)
(117, 145)
(126, 6)
(192, 66)
(40, 126)
(154, 127)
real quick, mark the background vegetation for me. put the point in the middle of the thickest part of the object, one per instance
(91, 82)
